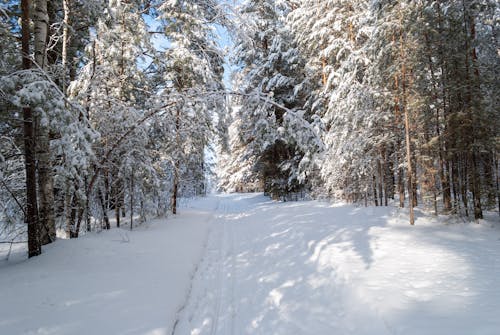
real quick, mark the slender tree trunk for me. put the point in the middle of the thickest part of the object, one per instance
(463, 183)
(176, 165)
(73, 215)
(132, 200)
(476, 193)
(118, 190)
(384, 176)
(489, 180)
(117, 215)
(65, 42)
(174, 191)
(407, 124)
(380, 182)
(414, 180)
(323, 72)
(401, 187)
(104, 209)
(45, 179)
(453, 167)
(473, 81)
(87, 206)
(497, 180)
(374, 186)
(31, 218)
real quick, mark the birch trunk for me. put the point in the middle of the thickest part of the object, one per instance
(45, 179)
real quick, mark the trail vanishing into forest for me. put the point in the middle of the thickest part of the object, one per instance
(239, 264)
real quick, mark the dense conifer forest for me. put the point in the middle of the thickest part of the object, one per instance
(118, 108)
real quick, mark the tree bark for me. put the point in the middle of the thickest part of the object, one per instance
(374, 187)
(65, 43)
(31, 219)
(407, 124)
(132, 200)
(176, 165)
(45, 178)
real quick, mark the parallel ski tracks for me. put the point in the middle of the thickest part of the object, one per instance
(217, 266)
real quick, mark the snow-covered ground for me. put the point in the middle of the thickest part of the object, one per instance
(263, 267)
(114, 282)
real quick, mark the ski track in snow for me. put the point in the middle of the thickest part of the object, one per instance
(214, 298)
(242, 264)
(312, 268)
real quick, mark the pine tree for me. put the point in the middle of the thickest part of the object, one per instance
(192, 66)
(272, 69)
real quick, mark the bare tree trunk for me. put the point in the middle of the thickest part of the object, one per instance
(65, 42)
(45, 179)
(118, 190)
(401, 187)
(104, 209)
(407, 125)
(380, 182)
(176, 165)
(414, 179)
(374, 186)
(73, 215)
(463, 183)
(455, 182)
(175, 190)
(87, 206)
(476, 193)
(132, 200)
(31, 219)
(384, 176)
(497, 181)
(117, 215)
(473, 84)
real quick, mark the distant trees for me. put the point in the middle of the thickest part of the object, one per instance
(108, 119)
(193, 65)
(271, 68)
(396, 99)
(372, 101)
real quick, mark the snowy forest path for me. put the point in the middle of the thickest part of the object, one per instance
(310, 267)
(250, 267)
(212, 290)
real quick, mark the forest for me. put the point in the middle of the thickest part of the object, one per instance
(117, 109)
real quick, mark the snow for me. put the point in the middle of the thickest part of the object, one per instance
(243, 264)
(114, 282)
(313, 268)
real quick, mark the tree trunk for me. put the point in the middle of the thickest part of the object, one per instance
(132, 200)
(87, 206)
(174, 191)
(31, 218)
(455, 182)
(406, 123)
(384, 176)
(401, 187)
(374, 186)
(497, 182)
(45, 179)
(117, 215)
(65, 42)
(473, 81)
(463, 183)
(177, 162)
(476, 191)
(104, 209)
(380, 181)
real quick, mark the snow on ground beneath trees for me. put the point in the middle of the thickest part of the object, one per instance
(243, 264)
(113, 282)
